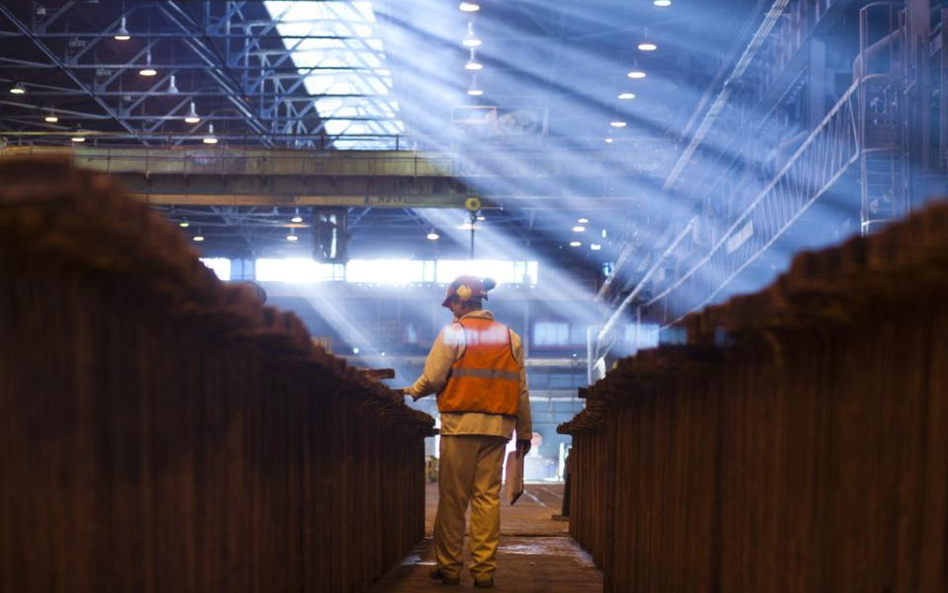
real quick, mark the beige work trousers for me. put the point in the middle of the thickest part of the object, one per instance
(469, 471)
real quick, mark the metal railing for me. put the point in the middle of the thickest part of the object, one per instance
(823, 158)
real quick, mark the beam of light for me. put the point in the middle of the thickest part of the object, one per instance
(333, 305)
(435, 92)
(577, 299)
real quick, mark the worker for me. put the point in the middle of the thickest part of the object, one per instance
(476, 368)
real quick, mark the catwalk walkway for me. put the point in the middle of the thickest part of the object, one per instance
(536, 553)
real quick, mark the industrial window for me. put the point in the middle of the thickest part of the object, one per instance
(577, 334)
(641, 335)
(298, 270)
(385, 271)
(389, 271)
(550, 333)
(219, 265)
(504, 272)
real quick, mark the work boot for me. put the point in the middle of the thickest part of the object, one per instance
(484, 583)
(436, 574)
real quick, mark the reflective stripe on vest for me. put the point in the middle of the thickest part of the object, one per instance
(486, 374)
(486, 378)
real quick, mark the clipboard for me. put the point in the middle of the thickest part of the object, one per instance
(513, 486)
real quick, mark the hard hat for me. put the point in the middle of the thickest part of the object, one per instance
(466, 288)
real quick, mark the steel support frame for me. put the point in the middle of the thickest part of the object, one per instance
(59, 63)
(274, 114)
(774, 62)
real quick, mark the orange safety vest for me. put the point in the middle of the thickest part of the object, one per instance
(486, 378)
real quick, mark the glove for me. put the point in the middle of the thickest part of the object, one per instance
(404, 391)
(523, 447)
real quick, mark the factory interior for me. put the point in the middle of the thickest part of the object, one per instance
(238, 238)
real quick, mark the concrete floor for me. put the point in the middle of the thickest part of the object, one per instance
(536, 554)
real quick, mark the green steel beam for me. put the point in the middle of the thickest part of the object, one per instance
(222, 175)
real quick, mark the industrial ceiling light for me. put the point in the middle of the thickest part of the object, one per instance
(472, 63)
(575, 244)
(148, 70)
(662, 3)
(481, 218)
(297, 219)
(595, 246)
(583, 220)
(475, 90)
(471, 40)
(18, 89)
(172, 87)
(625, 96)
(617, 124)
(210, 138)
(78, 139)
(292, 236)
(609, 140)
(192, 117)
(646, 44)
(184, 224)
(51, 118)
(433, 236)
(198, 238)
(469, 6)
(578, 229)
(636, 74)
(122, 34)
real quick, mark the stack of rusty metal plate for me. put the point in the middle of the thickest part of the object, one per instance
(797, 442)
(163, 431)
